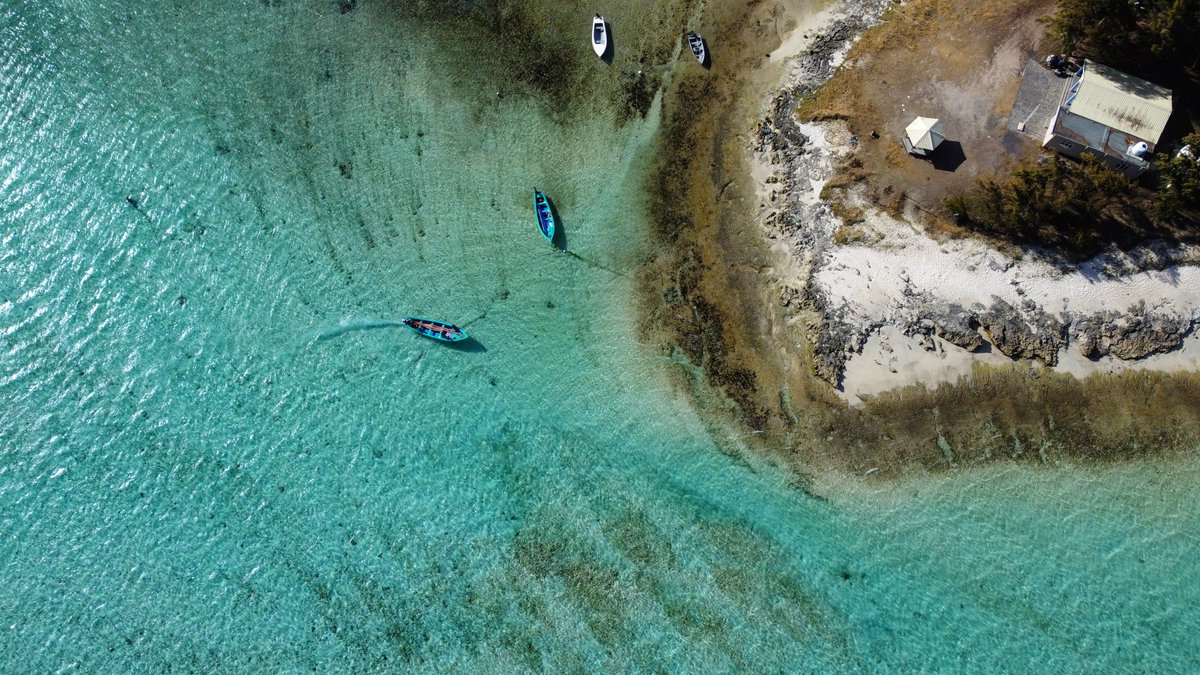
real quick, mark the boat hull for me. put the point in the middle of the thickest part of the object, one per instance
(599, 36)
(436, 330)
(545, 216)
(696, 44)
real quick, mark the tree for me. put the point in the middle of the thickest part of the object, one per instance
(1096, 27)
(1108, 190)
(1144, 37)
(1172, 32)
(1073, 207)
(1179, 193)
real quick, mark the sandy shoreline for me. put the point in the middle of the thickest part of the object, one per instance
(766, 305)
(898, 307)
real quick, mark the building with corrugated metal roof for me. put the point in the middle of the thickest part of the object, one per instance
(1110, 114)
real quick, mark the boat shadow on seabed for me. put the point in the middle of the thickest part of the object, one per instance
(607, 56)
(469, 345)
(560, 232)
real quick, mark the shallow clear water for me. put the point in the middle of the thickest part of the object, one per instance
(219, 452)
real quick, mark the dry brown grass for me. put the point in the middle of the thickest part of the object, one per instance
(893, 202)
(847, 214)
(964, 72)
(941, 226)
(895, 156)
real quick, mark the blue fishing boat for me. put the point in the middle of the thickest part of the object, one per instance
(544, 215)
(438, 330)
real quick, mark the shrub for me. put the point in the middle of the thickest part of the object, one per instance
(1051, 202)
(1179, 190)
(1148, 37)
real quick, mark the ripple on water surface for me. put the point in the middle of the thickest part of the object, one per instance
(219, 452)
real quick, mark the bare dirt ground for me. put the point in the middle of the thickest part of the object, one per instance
(959, 62)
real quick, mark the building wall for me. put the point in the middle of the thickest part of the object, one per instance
(1064, 137)
(1065, 146)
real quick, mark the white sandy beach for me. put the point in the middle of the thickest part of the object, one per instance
(882, 285)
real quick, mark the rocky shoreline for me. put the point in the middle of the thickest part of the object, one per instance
(1121, 305)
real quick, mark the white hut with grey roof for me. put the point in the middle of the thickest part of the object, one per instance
(923, 136)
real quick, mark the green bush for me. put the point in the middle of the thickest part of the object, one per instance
(1179, 186)
(1052, 202)
(1155, 39)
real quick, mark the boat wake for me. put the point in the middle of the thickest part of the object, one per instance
(599, 266)
(353, 325)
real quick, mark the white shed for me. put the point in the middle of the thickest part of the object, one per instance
(923, 136)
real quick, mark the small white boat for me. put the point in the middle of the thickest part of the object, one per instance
(599, 35)
(696, 43)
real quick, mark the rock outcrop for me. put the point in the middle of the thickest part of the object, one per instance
(958, 326)
(1134, 334)
(1032, 334)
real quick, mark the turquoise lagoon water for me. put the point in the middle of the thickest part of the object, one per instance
(218, 452)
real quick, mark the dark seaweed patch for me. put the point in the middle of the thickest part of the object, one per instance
(510, 46)
(1009, 414)
(639, 90)
(590, 580)
(699, 329)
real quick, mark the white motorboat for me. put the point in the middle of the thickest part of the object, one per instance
(599, 36)
(696, 43)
